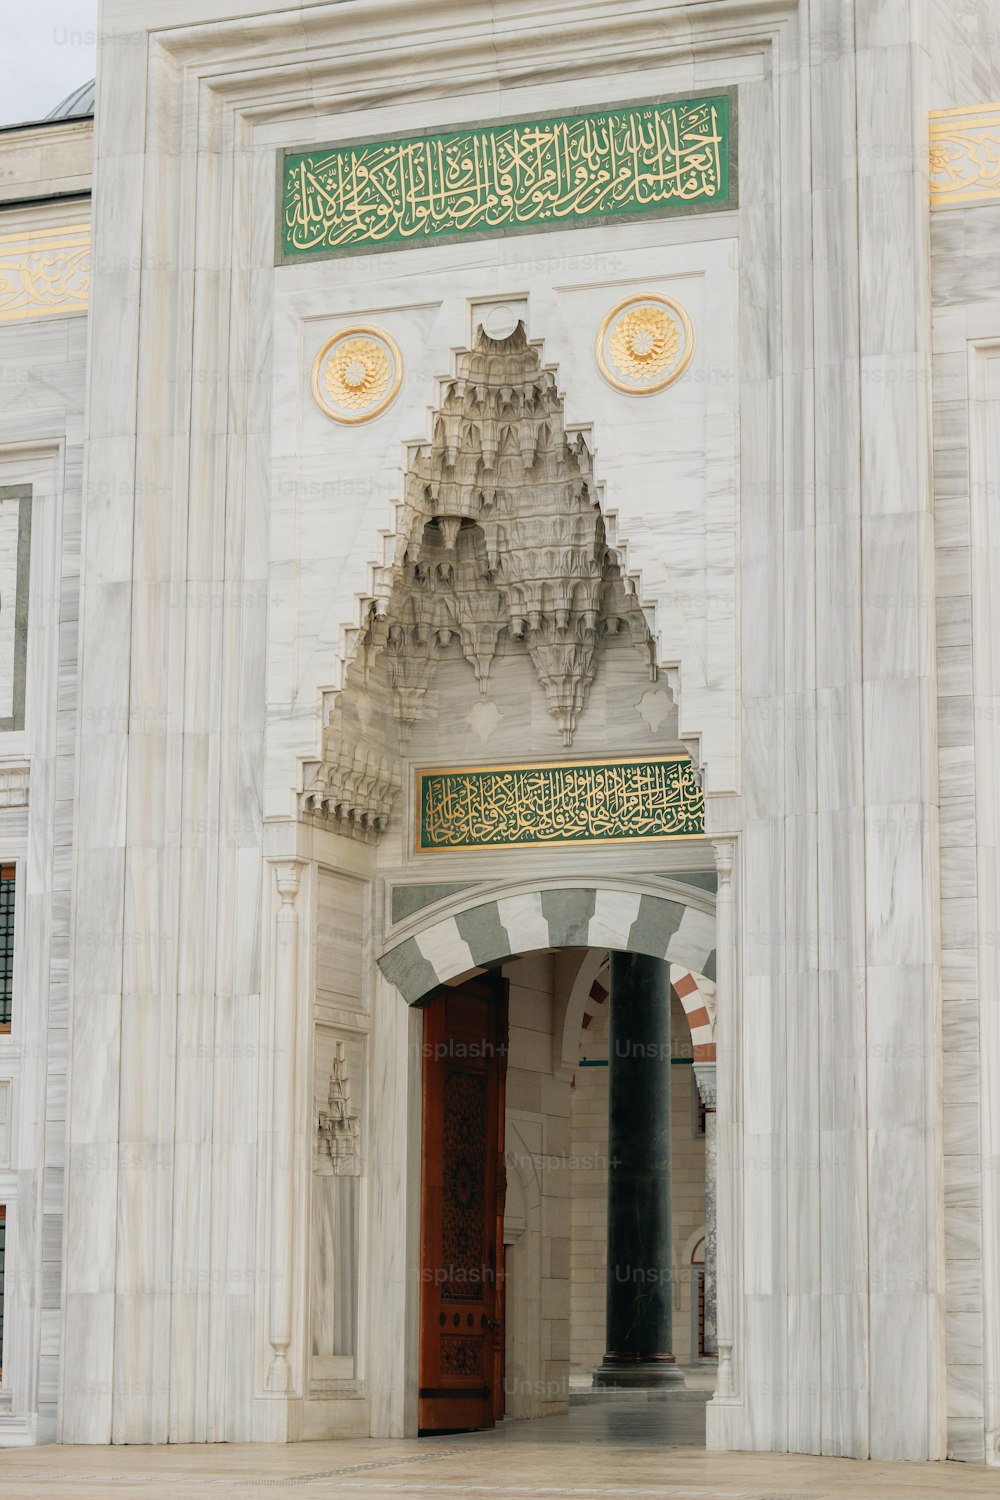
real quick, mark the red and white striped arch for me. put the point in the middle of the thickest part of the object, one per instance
(695, 992)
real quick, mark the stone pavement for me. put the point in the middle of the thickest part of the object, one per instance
(623, 1453)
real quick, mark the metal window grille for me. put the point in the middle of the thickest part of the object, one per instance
(6, 943)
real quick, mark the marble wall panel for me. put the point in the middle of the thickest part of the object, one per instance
(965, 291)
(41, 404)
(340, 930)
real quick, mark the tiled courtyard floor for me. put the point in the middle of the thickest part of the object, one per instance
(623, 1453)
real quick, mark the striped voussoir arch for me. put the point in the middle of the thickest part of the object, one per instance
(695, 992)
(570, 917)
(597, 998)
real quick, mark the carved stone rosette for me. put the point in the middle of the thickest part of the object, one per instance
(644, 344)
(357, 374)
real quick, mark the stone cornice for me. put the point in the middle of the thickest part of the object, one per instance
(360, 41)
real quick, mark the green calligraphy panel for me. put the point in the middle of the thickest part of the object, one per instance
(559, 802)
(511, 177)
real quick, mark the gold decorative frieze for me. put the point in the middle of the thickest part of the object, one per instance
(509, 177)
(44, 272)
(644, 344)
(357, 374)
(559, 802)
(965, 154)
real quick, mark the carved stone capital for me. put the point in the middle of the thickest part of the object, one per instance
(287, 875)
(725, 855)
(704, 1074)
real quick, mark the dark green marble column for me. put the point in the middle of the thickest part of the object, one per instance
(639, 1288)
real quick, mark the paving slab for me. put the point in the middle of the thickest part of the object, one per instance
(623, 1453)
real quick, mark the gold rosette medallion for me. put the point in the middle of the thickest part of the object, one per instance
(356, 374)
(644, 344)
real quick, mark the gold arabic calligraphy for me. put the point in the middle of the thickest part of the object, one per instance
(491, 179)
(554, 804)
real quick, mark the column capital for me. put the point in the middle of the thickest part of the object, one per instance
(725, 857)
(704, 1073)
(287, 875)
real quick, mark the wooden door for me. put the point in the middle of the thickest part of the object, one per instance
(461, 1303)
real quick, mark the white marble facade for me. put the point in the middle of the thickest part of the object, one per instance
(807, 518)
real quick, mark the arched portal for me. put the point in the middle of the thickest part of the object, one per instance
(506, 629)
(572, 923)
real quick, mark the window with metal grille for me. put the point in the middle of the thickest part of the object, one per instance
(6, 944)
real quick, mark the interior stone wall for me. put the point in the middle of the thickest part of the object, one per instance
(589, 1244)
(687, 1186)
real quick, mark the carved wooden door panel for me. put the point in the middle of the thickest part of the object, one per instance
(461, 1332)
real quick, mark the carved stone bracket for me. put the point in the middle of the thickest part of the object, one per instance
(704, 1074)
(353, 787)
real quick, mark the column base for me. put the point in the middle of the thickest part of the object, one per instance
(638, 1374)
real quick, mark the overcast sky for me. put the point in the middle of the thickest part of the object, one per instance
(46, 51)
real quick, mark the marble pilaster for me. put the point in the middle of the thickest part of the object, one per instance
(727, 1216)
(705, 1077)
(286, 985)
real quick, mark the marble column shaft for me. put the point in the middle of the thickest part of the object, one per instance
(639, 1285)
